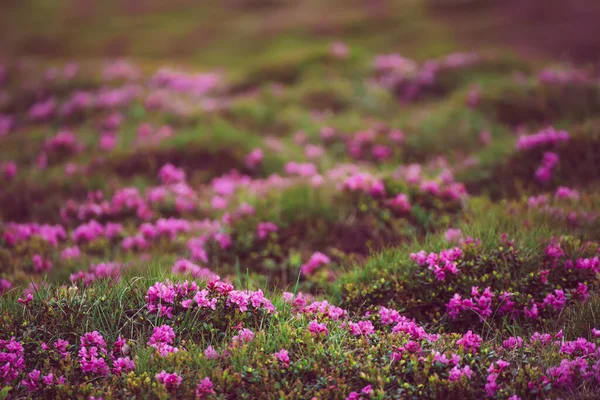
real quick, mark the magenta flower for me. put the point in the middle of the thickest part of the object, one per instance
(265, 228)
(204, 387)
(361, 328)
(210, 353)
(470, 341)
(243, 336)
(122, 365)
(9, 170)
(318, 329)
(254, 159)
(317, 260)
(171, 381)
(283, 357)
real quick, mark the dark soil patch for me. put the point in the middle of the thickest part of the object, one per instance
(147, 162)
(25, 202)
(543, 103)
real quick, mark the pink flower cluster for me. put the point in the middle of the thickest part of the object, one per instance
(549, 162)
(244, 336)
(548, 136)
(35, 380)
(110, 270)
(169, 174)
(170, 380)
(254, 159)
(265, 228)
(300, 169)
(361, 328)
(283, 357)
(162, 340)
(480, 303)
(12, 360)
(366, 183)
(15, 233)
(92, 354)
(166, 298)
(402, 324)
(9, 170)
(440, 264)
(64, 142)
(205, 387)
(318, 329)
(316, 261)
(88, 232)
(186, 267)
(470, 341)
(320, 309)
(364, 393)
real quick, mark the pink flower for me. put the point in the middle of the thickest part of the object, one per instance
(265, 228)
(123, 364)
(210, 353)
(381, 152)
(70, 253)
(532, 312)
(12, 360)
(300, 169)
(548, 136)
(168, 174)
(25, 299)
(470, 341)
(254, 159)
(243, 336)
(485, 138)
(204, 387)
(162, 340)
(282, 356)
(40, 264)
(457, 373)
(171, 381)
(107, 142)
(397, 136)
(401, 203)
(317, 260)
(317, 329)
(339, 50)
(512, 343)
(556, 300)
(32, 383)
(361, 328)
(564, 192)
(313, 151)
(453, 235)
(9, 170)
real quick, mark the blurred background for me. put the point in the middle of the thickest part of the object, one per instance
(236, 33)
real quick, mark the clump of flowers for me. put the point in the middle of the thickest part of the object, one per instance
(162, 340)
(548, 136)
(170, 380)
(283, 357)
(93, 354)
(440, 264)
(12, 360)
(265, 228)
(167, 298)
(317, 260)
(318, 329)
(204, 387)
